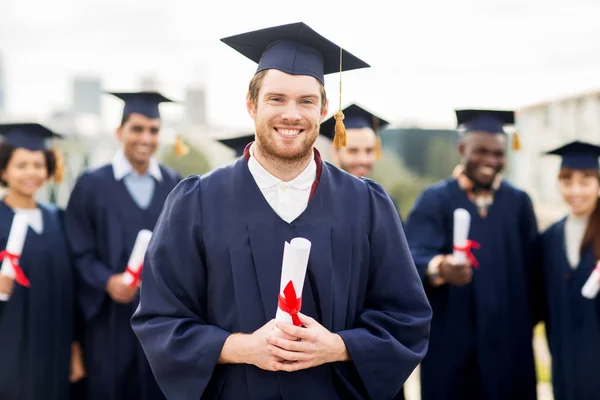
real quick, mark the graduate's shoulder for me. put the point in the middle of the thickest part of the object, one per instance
(170, 173)
(214, 182)
(515, 192)
(554, 228)
(92, 176)
(437, 192)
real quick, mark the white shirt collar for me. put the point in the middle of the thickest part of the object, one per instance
(122, 167)
(264, 179)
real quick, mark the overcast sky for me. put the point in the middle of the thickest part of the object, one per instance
(427, 57)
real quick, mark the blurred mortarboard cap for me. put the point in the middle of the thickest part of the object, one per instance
(238, 144)
(355, 117)
(578, 155)
(145, 103)
(297, 49)
(489, 121)
(31, 136)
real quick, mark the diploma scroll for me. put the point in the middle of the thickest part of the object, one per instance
(461, 244)
(133, 272)
(14, 248)
(293, 273)
(592, 285)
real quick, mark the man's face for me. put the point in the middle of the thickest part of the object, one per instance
(358, 157)
(139, 137)
(287, 115)
(483, 156)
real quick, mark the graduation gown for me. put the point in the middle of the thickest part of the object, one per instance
(481, 333)
(36, 327)
(102, 222)
(573, 322)
(213, 267)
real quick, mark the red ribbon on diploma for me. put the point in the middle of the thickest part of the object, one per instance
(14, 260)
(136, 275)
(290, 304)
(467, 249)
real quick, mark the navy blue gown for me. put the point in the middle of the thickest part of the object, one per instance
(573, 322)
(481, 333)
(102, 222)
(37, 324)
(214, 266)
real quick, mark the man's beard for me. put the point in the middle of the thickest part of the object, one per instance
(269, 148)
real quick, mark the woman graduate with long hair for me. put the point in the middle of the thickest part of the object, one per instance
(571, 250)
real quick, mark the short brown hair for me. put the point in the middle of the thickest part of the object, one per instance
(256, 83)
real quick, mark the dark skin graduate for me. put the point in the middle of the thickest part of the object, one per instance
(483, 157)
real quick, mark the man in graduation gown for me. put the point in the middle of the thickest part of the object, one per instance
(213, 267)
(481, 332)
(363, 144)
(106, 210)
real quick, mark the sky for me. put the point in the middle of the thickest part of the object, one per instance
(427, 57)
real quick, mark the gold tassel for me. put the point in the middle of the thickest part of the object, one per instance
(59, 171)
(378, 148)
(377, 139)
(181, 149)
(340, 140)
(516, 142)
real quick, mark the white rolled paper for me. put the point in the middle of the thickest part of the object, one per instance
(293, 268)
(592, 285)
(462, 224)
(14, 245)
(15, 242)
(136, 259)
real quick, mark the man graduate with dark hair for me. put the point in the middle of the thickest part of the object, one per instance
(107, 209)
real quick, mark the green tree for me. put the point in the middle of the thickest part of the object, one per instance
(195, 162)
(440, 157)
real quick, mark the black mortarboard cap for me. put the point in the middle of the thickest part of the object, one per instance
(145, 103)
(31, 136)
(578, 155)
(355, 117)
(238, 144)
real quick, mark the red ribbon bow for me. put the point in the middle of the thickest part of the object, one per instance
(290, 304)
(14, 260)
(471, 244)
(135, 275)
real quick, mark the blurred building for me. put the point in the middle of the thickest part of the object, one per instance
(543, 127)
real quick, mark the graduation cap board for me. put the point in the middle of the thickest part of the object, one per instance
(297, 49)
(34, 137)
(489, 121)
(356, 117)
(578, 155)
(145, 103)
(237, 144)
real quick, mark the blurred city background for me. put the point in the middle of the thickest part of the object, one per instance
(538, 57)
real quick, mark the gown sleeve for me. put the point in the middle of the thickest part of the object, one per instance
(79, 226)
(425, 231)
(170, 322)
(391, 334)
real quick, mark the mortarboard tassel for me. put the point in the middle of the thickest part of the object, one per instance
(59, 171)
(377, 138)
(181, 149)
(516, 142)
(378, 148)
(339, 140)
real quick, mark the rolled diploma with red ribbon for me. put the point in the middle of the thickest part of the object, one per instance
(592, 285)
(462, 224)
(293, 273)
(136, 259)
(14, 246)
